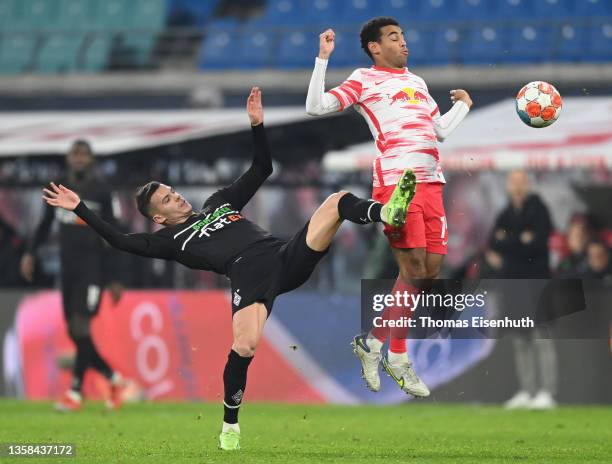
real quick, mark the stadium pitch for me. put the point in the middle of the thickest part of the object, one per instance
(420, 433)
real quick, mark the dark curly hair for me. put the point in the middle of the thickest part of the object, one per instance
(370, 32)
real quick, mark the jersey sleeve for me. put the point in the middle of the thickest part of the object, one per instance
(349, 92)
(242, 189)
(150, 245)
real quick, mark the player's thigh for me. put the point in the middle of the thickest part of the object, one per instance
(247, 328)
(324, 223)
(436, 225)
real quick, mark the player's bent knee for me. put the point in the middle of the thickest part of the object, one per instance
(245, 347)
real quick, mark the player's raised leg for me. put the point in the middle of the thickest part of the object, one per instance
(367, 347)
(247, 328)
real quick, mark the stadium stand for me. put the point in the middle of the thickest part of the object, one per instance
(63, 36)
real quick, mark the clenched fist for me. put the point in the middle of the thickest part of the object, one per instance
(461, 95)
(326, 44)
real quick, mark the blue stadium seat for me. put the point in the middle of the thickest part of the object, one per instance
(112, 14)
(530, 43)
(322, 14)
(484, 45)
(358, 11)
(592, 8)
(191, 12)
(58, 53)
(38, 14)
(571, 42)
(255, 48)
(74, 15)
(282, 13)
(418, 41)
(475, 9)
(96, 53)
(16, 53)
(9, 12)
(220, 45)
(348, 51)
(546, 9)
(298, 49)
(405, 11)
(438, 10)
(148, 14)
(445, 45)
(600, 42)
(513, 9)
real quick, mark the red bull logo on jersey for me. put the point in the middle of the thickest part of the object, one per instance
(410, 96)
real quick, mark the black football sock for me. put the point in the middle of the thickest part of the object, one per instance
(98, 363)
(358, 210)
(82, 362)
(234, 382)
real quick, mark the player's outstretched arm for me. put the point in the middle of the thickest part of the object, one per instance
(318, 102)
(444, 125)
(242, 190)
(140, 244)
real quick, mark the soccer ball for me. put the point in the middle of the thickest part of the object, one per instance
(538, 104)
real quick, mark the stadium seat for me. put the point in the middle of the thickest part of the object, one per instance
(191, 12)
(530, 43)
(358, 11)
(571, 42)
(321, 14)
(16, 53)
(348, 51)
(58, 53)
(148, 14)
(513, 9)
(220, 44)
(600, 42)
(74, 15)
(474, 9)
(592, 8)
(256, 48)
(418, 41)
(298, 49)
(9, 12)
(484, 45)
(547, 9)
(445, 45)
(112, 14)
(281, 13)
(438, 10)
(405, 11)
(96, 53)
(38, 14)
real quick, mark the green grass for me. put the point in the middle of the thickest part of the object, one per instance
(425, 433)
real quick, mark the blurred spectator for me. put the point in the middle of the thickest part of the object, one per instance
(575, 264)
(11, 247)
(598, 262)
(518, 247)
(519, 250)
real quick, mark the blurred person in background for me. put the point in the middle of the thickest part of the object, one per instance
(575, 264)
(11, 247)
(84, 259)
(598, 262)
(518, 249)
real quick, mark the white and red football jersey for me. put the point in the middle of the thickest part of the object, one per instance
(400, 112)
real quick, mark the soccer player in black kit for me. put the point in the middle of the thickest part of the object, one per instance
(218, 238)
(84, 260)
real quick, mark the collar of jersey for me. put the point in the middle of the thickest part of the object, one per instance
(391, 70)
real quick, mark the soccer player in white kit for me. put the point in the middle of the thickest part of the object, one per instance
(406, 126)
